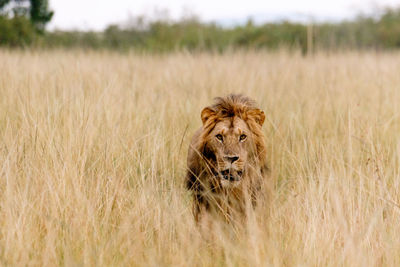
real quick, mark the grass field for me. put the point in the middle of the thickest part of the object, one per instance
(93, 155)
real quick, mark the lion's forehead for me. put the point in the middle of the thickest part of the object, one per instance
(233, 125)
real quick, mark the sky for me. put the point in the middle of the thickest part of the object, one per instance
(97, 14)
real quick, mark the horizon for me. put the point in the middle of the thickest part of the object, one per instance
(207, 11)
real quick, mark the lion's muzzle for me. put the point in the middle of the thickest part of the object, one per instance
(231, 175)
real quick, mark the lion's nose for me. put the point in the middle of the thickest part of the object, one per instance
(232, 159)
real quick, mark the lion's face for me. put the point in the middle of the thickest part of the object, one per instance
(231, 139)
(230, 143)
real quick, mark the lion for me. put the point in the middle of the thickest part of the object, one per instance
(227, 158)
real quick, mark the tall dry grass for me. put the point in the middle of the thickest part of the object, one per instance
(93, 156)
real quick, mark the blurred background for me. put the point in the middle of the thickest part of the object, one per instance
(161, 26)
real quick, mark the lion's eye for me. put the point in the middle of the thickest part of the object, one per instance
(242, 137)
(219, 137)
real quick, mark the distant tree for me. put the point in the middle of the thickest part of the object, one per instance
(36, 10)
(3, 3)
(40, 14)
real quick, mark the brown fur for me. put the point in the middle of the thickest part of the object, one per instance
(230, 118)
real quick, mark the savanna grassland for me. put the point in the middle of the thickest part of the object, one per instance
(93, 154)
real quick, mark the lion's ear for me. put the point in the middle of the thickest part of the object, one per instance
(206, 113)
(258, 115)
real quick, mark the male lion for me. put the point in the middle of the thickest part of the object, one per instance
(227, 157)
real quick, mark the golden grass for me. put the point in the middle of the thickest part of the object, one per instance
(93, 154)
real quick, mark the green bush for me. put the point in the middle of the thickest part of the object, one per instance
(16, 32)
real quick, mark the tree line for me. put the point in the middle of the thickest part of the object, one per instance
(24, 26)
